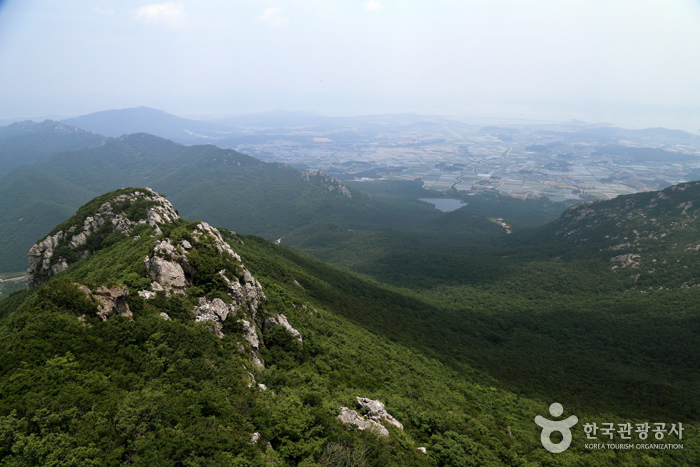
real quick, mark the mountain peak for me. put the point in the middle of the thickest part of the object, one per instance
(98, 224)
(328, 181)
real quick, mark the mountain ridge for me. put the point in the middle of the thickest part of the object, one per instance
(27, 142)
(198, 178)
(119, 122)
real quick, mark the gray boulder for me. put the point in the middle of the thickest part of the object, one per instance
(351, 417)
(281, 320)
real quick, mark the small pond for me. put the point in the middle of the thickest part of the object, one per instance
(445, 205)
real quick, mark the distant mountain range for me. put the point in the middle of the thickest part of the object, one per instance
(230, 132)
(221, 186)
(27, 142)
(146, 120)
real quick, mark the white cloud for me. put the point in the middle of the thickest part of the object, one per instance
(273, 17)
(169, 14)
(103, 11)
(373, 5)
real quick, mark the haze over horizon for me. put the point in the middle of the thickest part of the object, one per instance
(626, 62)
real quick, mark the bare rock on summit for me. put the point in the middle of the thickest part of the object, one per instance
(113, 213)
(168, 273)
(327, 181)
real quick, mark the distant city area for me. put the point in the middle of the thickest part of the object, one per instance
(570, 162)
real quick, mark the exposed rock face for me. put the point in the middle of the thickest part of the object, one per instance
(377, 412)
(111, 302)
(42, 263)
(250, 335)
(625, 261)
(204, 229)
(62, 265)
(351, 417)
(165, 267)
(327, 181)
(215, 311)
(281, 320)
(372, 421)
(146, 294)
(188, 257)
(169, 267)
(40, 258)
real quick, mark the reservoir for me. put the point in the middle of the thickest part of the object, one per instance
(445, 205)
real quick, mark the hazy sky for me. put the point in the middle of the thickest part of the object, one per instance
(632, 62)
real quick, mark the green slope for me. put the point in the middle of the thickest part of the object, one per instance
(464, 368)
(650, 240)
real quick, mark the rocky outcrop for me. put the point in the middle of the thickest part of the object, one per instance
(214, 311)
(190, 259)
(376, 414)
(281, 320)
(40, 256)
(146, 294)
(327, 181)
(42, 261)
(165, 267)
(111, 301)
(351, 417)
(169, 267)
(624, 261)
(250, 334)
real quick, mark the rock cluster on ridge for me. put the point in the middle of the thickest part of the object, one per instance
(111, 301)
(191, 260)
(168, 265)
(281, 320)
(328, 181)
(58, 250)
(172, 267)
(351, 417)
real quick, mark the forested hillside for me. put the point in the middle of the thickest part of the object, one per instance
(114, 359)
(28, 142)
(222, 186)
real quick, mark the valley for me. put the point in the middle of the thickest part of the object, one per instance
(12, 282)
(591, 305)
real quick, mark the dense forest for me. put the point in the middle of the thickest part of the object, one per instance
(463, 364)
